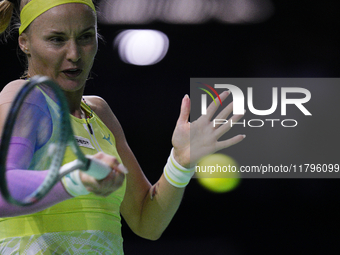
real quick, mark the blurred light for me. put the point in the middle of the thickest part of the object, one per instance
(184, 11)
(125, 11)
(243, 11)
(141, 47)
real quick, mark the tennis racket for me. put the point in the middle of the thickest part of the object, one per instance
(35, 136)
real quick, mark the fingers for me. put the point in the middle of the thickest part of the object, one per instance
(212, 108)
(110, 161)
(226, 126)
(103, 187)
(110, 183)
(204, 135)
(230, 142)
(222, 129)
(185, 110)
(225, 112)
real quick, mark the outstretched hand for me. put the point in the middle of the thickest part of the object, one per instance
(192, 141)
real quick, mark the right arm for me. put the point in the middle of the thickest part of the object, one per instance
(23, 182)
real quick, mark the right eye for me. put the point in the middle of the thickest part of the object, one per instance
(56, 39)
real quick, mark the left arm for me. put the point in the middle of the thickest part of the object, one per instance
(148, 209)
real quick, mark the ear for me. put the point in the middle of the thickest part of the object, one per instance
(24, 43)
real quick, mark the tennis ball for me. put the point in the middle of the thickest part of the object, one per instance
(218, 173)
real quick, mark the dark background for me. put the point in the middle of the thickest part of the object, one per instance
(261, 216)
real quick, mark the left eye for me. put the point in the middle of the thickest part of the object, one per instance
(86, 36)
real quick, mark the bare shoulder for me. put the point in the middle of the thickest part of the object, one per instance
(99, 106)
(16, 84)
(96, 103)
(7, 96)
(104, 112)
(8, 93)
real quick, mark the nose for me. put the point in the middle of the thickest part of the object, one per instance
(73, 51)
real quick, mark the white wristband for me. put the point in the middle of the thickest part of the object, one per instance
(74, 185)
(176, 174)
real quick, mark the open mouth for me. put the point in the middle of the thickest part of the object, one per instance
(72, 72)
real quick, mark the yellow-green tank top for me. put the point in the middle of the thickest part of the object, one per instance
(89, 212)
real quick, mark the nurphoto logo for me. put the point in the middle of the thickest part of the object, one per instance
(239, 104)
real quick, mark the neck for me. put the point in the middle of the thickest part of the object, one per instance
(74, 101)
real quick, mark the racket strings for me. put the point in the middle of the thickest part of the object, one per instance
(33, 143)
(34, 124)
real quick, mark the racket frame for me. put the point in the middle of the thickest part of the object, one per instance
(66, 137)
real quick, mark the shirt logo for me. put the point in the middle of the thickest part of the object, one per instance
(83, 142)
(107, 138)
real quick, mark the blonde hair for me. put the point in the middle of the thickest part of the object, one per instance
(6, 13)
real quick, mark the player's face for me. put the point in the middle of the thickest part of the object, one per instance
(62, 44)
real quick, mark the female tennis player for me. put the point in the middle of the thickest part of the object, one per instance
(59, 39)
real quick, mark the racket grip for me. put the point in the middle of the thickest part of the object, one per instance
(97, 168)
